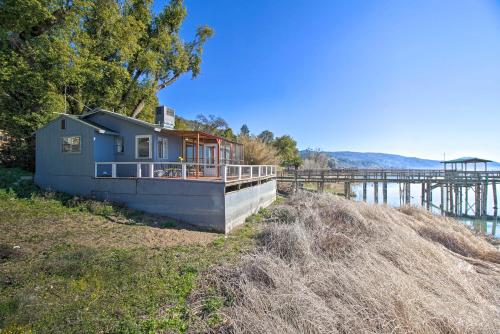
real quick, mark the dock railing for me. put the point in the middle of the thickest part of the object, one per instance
(183, 170)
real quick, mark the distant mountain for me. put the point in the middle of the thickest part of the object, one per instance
(346, 159)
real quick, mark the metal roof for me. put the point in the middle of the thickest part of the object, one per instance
(97, 127)
(157, 127)
(465, 160)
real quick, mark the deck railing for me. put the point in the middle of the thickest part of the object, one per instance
(183, 170)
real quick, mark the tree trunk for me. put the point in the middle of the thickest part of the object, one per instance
(138, 108)
(142, 102)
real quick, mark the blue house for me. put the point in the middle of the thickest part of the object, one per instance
(191, 176)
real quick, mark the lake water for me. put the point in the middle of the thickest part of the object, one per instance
(491, 227)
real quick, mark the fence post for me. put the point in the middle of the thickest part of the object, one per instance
(239, 172)
(113, 170)
(139, 170)
(259, 171)
(151, 170)
(223, 173)
(184, 171)
(251, 172)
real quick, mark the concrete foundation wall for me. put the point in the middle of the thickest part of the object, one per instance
(199, 203)
(242, 203)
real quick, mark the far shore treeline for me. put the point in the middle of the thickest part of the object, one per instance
(67, 56)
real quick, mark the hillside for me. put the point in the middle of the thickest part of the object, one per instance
(328, 265)
(347, 159)
(69, 265)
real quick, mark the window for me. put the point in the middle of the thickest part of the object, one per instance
(119, 144)
(71, 144)
(63, 124)
(162, 148)
(143, 147)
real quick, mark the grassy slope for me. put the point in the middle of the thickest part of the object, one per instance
(74, 266)
(328, 265)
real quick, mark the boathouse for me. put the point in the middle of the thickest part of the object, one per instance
(191, 176)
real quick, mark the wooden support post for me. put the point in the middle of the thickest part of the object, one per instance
(184, 171)
(375, 191)
(452, 206)
(139, 170)
(466, 192)
(384, 189)
(408, 194)
(484, 196)
(447, 206)
(347, 190)
(322, 181)
(296, 179)
(197, 154)
(495, 203)
(429, 196)
(422, 197)
(477, 200)
(151, 168)
(442, 200)
(223, 173)
(364, 191)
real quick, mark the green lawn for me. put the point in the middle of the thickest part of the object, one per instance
(70, 265)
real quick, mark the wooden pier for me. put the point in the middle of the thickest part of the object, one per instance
(455, 186)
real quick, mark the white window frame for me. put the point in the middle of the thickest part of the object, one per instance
(119, 138)
(71, 152)
(137, 146)
(163, 141)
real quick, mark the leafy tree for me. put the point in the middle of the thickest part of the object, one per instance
(257, 152)
(287, 150)
(266, 136)
(315, 159)
(244, 131)
(211, 124)
(111, 54)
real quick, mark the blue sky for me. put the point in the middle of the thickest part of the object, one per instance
(416, 78)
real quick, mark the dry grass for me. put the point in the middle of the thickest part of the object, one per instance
(328, 265)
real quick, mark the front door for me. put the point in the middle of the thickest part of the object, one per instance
(210, 168)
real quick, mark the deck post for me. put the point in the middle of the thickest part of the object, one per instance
(364, 191)
(223, 173)
(251, 172)
(139, 170)
(113, 170)
(375, 191)
(239, 172)
(95, 169)
(151, 168)
(184, 171)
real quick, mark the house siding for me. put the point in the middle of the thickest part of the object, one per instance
(201, 203)
(52, 162)
(129, 131)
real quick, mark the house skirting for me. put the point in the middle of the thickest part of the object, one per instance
(206, 205)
